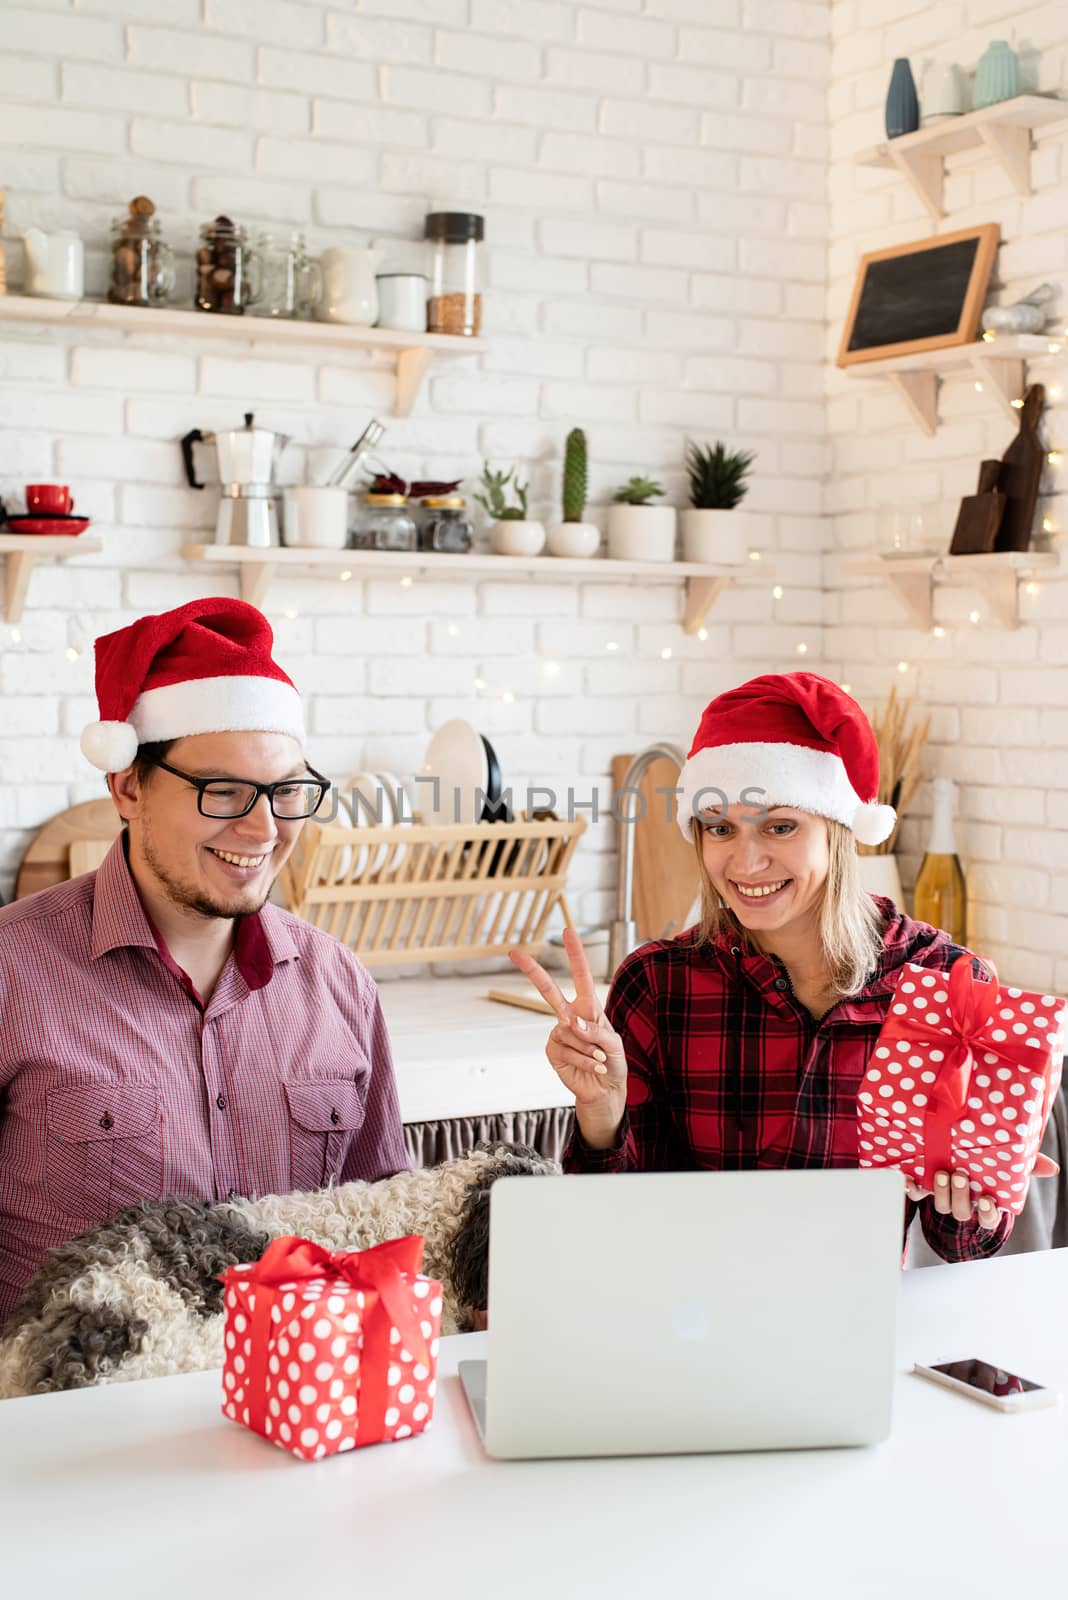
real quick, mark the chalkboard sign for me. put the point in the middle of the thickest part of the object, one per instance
(919, 296)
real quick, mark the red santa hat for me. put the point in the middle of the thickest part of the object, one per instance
(787, 739)
(203, 668)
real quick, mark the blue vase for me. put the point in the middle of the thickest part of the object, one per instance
(902, 105)
(997, 76)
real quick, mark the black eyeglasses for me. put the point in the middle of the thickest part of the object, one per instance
(289, 800)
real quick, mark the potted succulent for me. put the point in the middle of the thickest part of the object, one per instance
(513, 532)
(573, 536)
(713, 529)
(638, 531)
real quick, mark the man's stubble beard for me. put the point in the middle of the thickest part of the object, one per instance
(195, 899)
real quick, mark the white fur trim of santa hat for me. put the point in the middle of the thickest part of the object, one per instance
(233, 704)
(778, 774)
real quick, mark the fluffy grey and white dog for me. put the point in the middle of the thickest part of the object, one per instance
(140, 1296)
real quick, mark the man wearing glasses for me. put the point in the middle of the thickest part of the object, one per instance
(166, 1030)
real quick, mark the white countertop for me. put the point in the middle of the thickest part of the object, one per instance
(458, 1054)
(146, 1488)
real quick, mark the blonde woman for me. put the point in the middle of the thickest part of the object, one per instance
(741, 1043)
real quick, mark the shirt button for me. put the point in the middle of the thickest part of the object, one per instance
(736, 950)
(220, 1101)
(781, 983)
(107, 1121)
(334, 1118)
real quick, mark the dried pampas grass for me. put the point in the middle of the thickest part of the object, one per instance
(900, 759)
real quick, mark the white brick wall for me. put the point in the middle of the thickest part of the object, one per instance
(998, 698)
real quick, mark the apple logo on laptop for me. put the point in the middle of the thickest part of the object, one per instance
(689, 1321)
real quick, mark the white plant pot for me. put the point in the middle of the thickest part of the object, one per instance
(517, 538)
(879, 875)
(579, 540)
(641, 533)
(714, 538)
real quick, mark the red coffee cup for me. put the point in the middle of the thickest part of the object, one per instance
(49, 499)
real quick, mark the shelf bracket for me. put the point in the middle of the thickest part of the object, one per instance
(20, 565)
(919, 390)
(701, 596)
(412, 366)
(1011, 148)
(256, 579)
(925, 171)
(914, 592)
(1004, 376)
(999, 590)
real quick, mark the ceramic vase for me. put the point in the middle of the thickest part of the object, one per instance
(902, 106)
(997, 76)
(943, 92)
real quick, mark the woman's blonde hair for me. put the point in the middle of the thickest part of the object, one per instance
(850, 926)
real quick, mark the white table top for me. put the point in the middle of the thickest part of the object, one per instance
(457, 1054)
(146, 1488)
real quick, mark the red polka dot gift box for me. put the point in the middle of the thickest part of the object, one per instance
(325, 1351)
(962, 1078)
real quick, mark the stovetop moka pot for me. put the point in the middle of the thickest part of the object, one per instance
(247, 457)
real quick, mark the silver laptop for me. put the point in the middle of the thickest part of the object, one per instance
(652, 1313)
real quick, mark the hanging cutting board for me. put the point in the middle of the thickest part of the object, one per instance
(1021, 471)
(665, 871)
(85, 828)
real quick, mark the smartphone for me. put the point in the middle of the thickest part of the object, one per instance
(981, 1380)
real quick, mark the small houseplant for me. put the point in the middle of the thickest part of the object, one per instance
(573, 536)
(513, 532)
(638, 531)
(713, 529)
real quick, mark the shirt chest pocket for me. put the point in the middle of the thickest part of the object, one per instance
(324, 1117)
(104, 1149)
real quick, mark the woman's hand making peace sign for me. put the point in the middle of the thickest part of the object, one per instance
(583, 1048)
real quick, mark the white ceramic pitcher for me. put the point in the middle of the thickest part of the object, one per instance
(349, 290)
(56, 263)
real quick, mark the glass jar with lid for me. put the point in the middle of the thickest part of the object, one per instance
(290, 281)
(228, 270)
(142, 265)
(455, 304)
(386, 523)
(445, 525)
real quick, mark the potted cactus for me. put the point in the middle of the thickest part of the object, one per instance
(713, 529)
(638, 531)
(573, 536)
(513, 532)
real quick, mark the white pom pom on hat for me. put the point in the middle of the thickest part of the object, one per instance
(874, 823)
(109, 746)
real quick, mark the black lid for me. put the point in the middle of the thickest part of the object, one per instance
(455, 227)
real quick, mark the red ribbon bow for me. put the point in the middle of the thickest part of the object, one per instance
(380, 1273)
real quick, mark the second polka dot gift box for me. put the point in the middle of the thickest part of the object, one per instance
(962, 1078)
(325, 1351)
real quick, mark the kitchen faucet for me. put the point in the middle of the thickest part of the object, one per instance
(623, 935)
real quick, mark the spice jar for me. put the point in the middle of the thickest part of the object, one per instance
(445, 526)
(142, 265)
(228, 275)
(291, 282)
(455, 304)
(386, 523)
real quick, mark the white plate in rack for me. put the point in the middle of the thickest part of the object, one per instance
(456, 756)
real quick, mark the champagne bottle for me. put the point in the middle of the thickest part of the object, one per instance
(941, 894)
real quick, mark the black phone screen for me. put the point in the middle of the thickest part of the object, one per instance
(981, 1375)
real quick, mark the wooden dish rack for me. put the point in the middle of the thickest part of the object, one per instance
(432, 892)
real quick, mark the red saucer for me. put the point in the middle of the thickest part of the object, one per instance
(51, 526)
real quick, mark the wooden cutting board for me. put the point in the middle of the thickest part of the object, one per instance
(665, 871)
(48, 860)
(1021, 471)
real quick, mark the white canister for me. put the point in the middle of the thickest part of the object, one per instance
(943, 93)
(349, 291)
(316, 516)
(402, 301)
(56, 263)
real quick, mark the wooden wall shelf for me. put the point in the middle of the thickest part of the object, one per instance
(997, 366)
(414, 351)
(1004, 130)
(258, 568)
(21, 553)
(995, 576)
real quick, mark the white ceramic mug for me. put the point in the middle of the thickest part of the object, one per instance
(402, 301)
(317, 515)
(349, 292)
(56, 263)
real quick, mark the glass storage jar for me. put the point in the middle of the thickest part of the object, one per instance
(142, 265)
(455, 304)
(445, 525)
(228, 271)
(386, 523)
(290, 281)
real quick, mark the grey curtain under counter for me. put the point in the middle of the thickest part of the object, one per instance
(547, 1132)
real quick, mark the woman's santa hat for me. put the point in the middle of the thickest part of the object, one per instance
(203, 668)
(787, 739)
